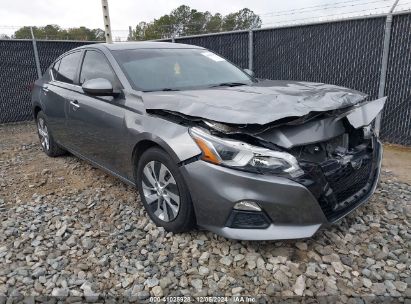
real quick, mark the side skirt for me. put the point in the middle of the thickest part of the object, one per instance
(101, 167)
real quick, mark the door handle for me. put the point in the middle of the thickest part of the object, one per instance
(44, 89)
(75, 104)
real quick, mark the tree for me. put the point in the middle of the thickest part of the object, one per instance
(214, 23)
(243, 19)
(139, 32)
(52, 32)
(45, 32)
(55, 32)
(24, 32)
(98, 34)
(83, 33)
(184, 21)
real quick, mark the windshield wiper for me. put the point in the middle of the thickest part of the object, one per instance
(229, 84)
(169, 89)
(162, 90)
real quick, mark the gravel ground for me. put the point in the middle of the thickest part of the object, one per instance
(68, 229)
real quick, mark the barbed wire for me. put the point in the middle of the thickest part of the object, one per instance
(305, 10)
(164, 29)
(402, 4)
(313, 17)
(287, 13)
(272, 13)
(320, 18)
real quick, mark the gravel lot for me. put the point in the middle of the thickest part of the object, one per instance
(68, 229)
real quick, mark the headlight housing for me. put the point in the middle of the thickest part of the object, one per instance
(239, 155)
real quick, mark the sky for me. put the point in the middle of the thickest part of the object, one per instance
(125, 13)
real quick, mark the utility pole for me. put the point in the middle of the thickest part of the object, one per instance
(384, 62)
(130, 33)
(107, 25)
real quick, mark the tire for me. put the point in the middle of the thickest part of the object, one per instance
(47, 142)
(160, 201)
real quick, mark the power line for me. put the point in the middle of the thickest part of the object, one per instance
(405, 3)
(11, 27)
(333, 15)
(327, 8)
(171, 26)
(355, 3)
(287, 14)
(315, 6)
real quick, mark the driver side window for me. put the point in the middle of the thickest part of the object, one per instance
(94, 66)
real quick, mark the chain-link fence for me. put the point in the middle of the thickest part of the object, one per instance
(342, 53)
(396, 119)
(18, 73)
(50, 50)
(347, 53)
(233, 46)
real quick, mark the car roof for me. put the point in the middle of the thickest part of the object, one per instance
(141, 45)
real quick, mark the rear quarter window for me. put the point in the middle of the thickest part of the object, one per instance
(54, 69)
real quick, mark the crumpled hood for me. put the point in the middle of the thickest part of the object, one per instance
(261, 103)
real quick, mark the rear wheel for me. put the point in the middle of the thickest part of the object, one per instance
(47, 142)
(163, 191)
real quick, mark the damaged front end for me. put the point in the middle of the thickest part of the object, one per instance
(338, 154)
(341, 172)
(334, 154)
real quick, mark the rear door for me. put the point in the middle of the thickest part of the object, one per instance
(58, 94)
(97, 122)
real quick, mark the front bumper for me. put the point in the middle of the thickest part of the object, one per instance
(292, 208)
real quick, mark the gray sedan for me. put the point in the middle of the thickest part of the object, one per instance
(209, 145)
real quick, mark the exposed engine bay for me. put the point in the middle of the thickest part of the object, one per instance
(293, 131)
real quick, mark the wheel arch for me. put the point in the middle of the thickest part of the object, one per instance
(147, 141)
(36, 109)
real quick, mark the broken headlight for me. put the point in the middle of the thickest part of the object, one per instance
(239, 155)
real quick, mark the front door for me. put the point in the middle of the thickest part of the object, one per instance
(96, 123)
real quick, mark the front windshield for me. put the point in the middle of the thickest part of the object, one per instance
(177, 69)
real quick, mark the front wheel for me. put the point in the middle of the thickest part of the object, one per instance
(163, 192)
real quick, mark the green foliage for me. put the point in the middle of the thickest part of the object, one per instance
(184, 21)
(55, 32)
(243, 19)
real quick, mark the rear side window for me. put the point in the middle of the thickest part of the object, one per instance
(55, 68)
(95, 65)
(68, 67)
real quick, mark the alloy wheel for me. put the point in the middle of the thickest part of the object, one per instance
(43, 134)
(161, 191)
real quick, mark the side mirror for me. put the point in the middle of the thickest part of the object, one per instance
(249, 72)
(98, 87)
